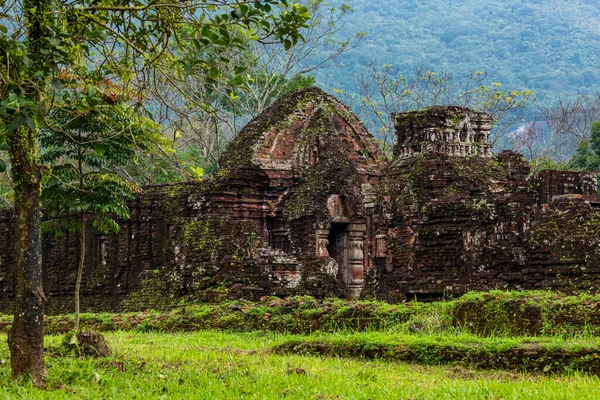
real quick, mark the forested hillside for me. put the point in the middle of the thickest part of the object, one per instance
(549, 46)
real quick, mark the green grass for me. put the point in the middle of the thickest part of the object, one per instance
(217, 365)
(495, 313)
(535, 354)
(301, 347)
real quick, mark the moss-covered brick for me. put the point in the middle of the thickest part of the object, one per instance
(201, 236)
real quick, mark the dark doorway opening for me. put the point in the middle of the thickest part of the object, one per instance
(338, 249)
(425, 297)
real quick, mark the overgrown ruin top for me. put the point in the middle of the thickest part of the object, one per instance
(289, 134)
(304, 203)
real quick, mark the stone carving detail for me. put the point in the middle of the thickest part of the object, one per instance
(103, 251)
(356, 250)
(338, 209)
(381, 246)
(356, 276)
(322, 243)
(279, 239)
(454, 131)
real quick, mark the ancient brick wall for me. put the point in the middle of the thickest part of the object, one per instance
(565, 183)
(117, 263)
(451, 225)
(304, 204)
(564, 246)
(448, 224)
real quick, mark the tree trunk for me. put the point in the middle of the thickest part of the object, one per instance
(79, 271)
(26, 338)
(81, 247)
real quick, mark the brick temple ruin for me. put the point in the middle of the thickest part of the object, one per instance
(305, 203)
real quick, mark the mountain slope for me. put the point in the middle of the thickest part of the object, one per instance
(549, 46)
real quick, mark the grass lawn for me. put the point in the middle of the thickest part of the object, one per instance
(217, 365)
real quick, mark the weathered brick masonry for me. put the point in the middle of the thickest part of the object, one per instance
(304, 203)
(452, 218)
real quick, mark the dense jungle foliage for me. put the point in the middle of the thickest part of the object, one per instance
(551, 47)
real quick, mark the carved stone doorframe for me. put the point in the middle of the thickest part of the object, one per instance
(356, 272)
(344, 242)
(351, 262)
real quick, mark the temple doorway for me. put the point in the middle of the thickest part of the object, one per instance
(337, 248)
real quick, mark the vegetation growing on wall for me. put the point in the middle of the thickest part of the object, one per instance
(201, 236)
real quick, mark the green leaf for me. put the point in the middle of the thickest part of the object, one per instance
(99, 149)
(2, 165)
(92, 100)
(29, 121)
(206, 32)
(73, 340)
(214, 72)
(57, 86)
(27, 61)
(16, 123)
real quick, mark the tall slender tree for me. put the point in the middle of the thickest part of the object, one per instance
(86, 138)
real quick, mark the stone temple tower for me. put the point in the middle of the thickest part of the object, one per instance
(455, 131)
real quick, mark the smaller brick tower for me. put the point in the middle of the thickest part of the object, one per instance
(455, 131)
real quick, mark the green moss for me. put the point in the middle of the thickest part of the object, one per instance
(154, 291)
(170, 196)
(201, 235)
(495, 313)
(545, 356)
(528, 313)
(564, 223)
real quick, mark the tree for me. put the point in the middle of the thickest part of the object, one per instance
(133, 43)
(587, 156)
(83, 142)
(279, 71)
(558, 132)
